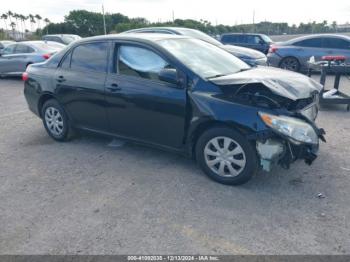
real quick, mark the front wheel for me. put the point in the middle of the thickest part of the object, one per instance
(226, 156)
(56, 121)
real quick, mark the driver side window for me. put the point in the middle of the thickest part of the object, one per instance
(140, 62)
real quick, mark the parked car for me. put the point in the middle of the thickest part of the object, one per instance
(15, 58)
(5, 43)
(65, 39)
(180, 94)
(294, 54)
(258, 42)
(248, 55)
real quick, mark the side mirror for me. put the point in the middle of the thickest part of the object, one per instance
(261, 42)
(168, 75)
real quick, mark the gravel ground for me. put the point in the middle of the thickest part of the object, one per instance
(85, 197)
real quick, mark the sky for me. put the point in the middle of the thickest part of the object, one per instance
(228, 12)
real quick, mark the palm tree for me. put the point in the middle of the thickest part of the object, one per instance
(4, 17)
(9, 14)
(47, 22)
(23, 18)
(13, 26)
(32, 22)
(38, 18)
(16, 16)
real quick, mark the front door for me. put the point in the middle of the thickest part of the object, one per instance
(140, 105)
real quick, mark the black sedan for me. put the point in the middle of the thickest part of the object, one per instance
(178, 94)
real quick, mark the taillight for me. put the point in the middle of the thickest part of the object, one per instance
(273, 49)
(46, 56)
(25, 76)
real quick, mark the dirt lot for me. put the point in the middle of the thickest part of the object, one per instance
(85, 197)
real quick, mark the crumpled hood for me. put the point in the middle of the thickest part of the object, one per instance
(282, 82)
(243, 52)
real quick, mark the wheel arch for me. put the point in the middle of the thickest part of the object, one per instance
(43, 98)
(204, 126)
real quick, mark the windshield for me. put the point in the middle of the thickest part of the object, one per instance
(199, 35)
(206, 60)
(266, 38)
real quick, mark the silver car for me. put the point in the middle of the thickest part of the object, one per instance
(15, 58)
(248, 55)
(294, 54)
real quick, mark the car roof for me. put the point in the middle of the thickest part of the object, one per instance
(143, 37)
(168, 28)
(34, 44)
(301, 38)
(241, 34)
(60, 35)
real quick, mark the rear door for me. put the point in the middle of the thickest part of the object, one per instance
(22, 57)
(80, 81)
(309, 47)
(7, 60)
(140, 105)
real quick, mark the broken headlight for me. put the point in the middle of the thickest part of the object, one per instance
(297, 130)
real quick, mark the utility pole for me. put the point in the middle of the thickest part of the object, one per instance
(173, 16)
(253, 20)
(104, 20)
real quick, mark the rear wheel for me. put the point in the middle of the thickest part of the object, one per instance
(226, 156)
(56, 121)
(290, 63)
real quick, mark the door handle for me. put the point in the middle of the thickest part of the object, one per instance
(114, 87)
(61, 79)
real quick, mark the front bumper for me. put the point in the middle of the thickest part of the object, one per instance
(281, 151)
(274, 148)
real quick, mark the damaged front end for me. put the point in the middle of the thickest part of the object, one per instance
(287, 140)
(287, 108)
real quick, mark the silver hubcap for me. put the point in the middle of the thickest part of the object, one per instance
(224, 156)
(54, 121)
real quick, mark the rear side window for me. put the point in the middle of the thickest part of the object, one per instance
(23, 49)
(9, 50)
(90, 57)
(336, 43)
(314, 42)
(140, 62)
(233, 38)
(253, 39)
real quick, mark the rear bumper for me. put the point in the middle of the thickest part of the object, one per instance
(273, 60)
(32, 97)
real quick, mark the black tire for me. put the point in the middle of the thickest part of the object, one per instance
(250, 156)
(67, 132)
(290, 63)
